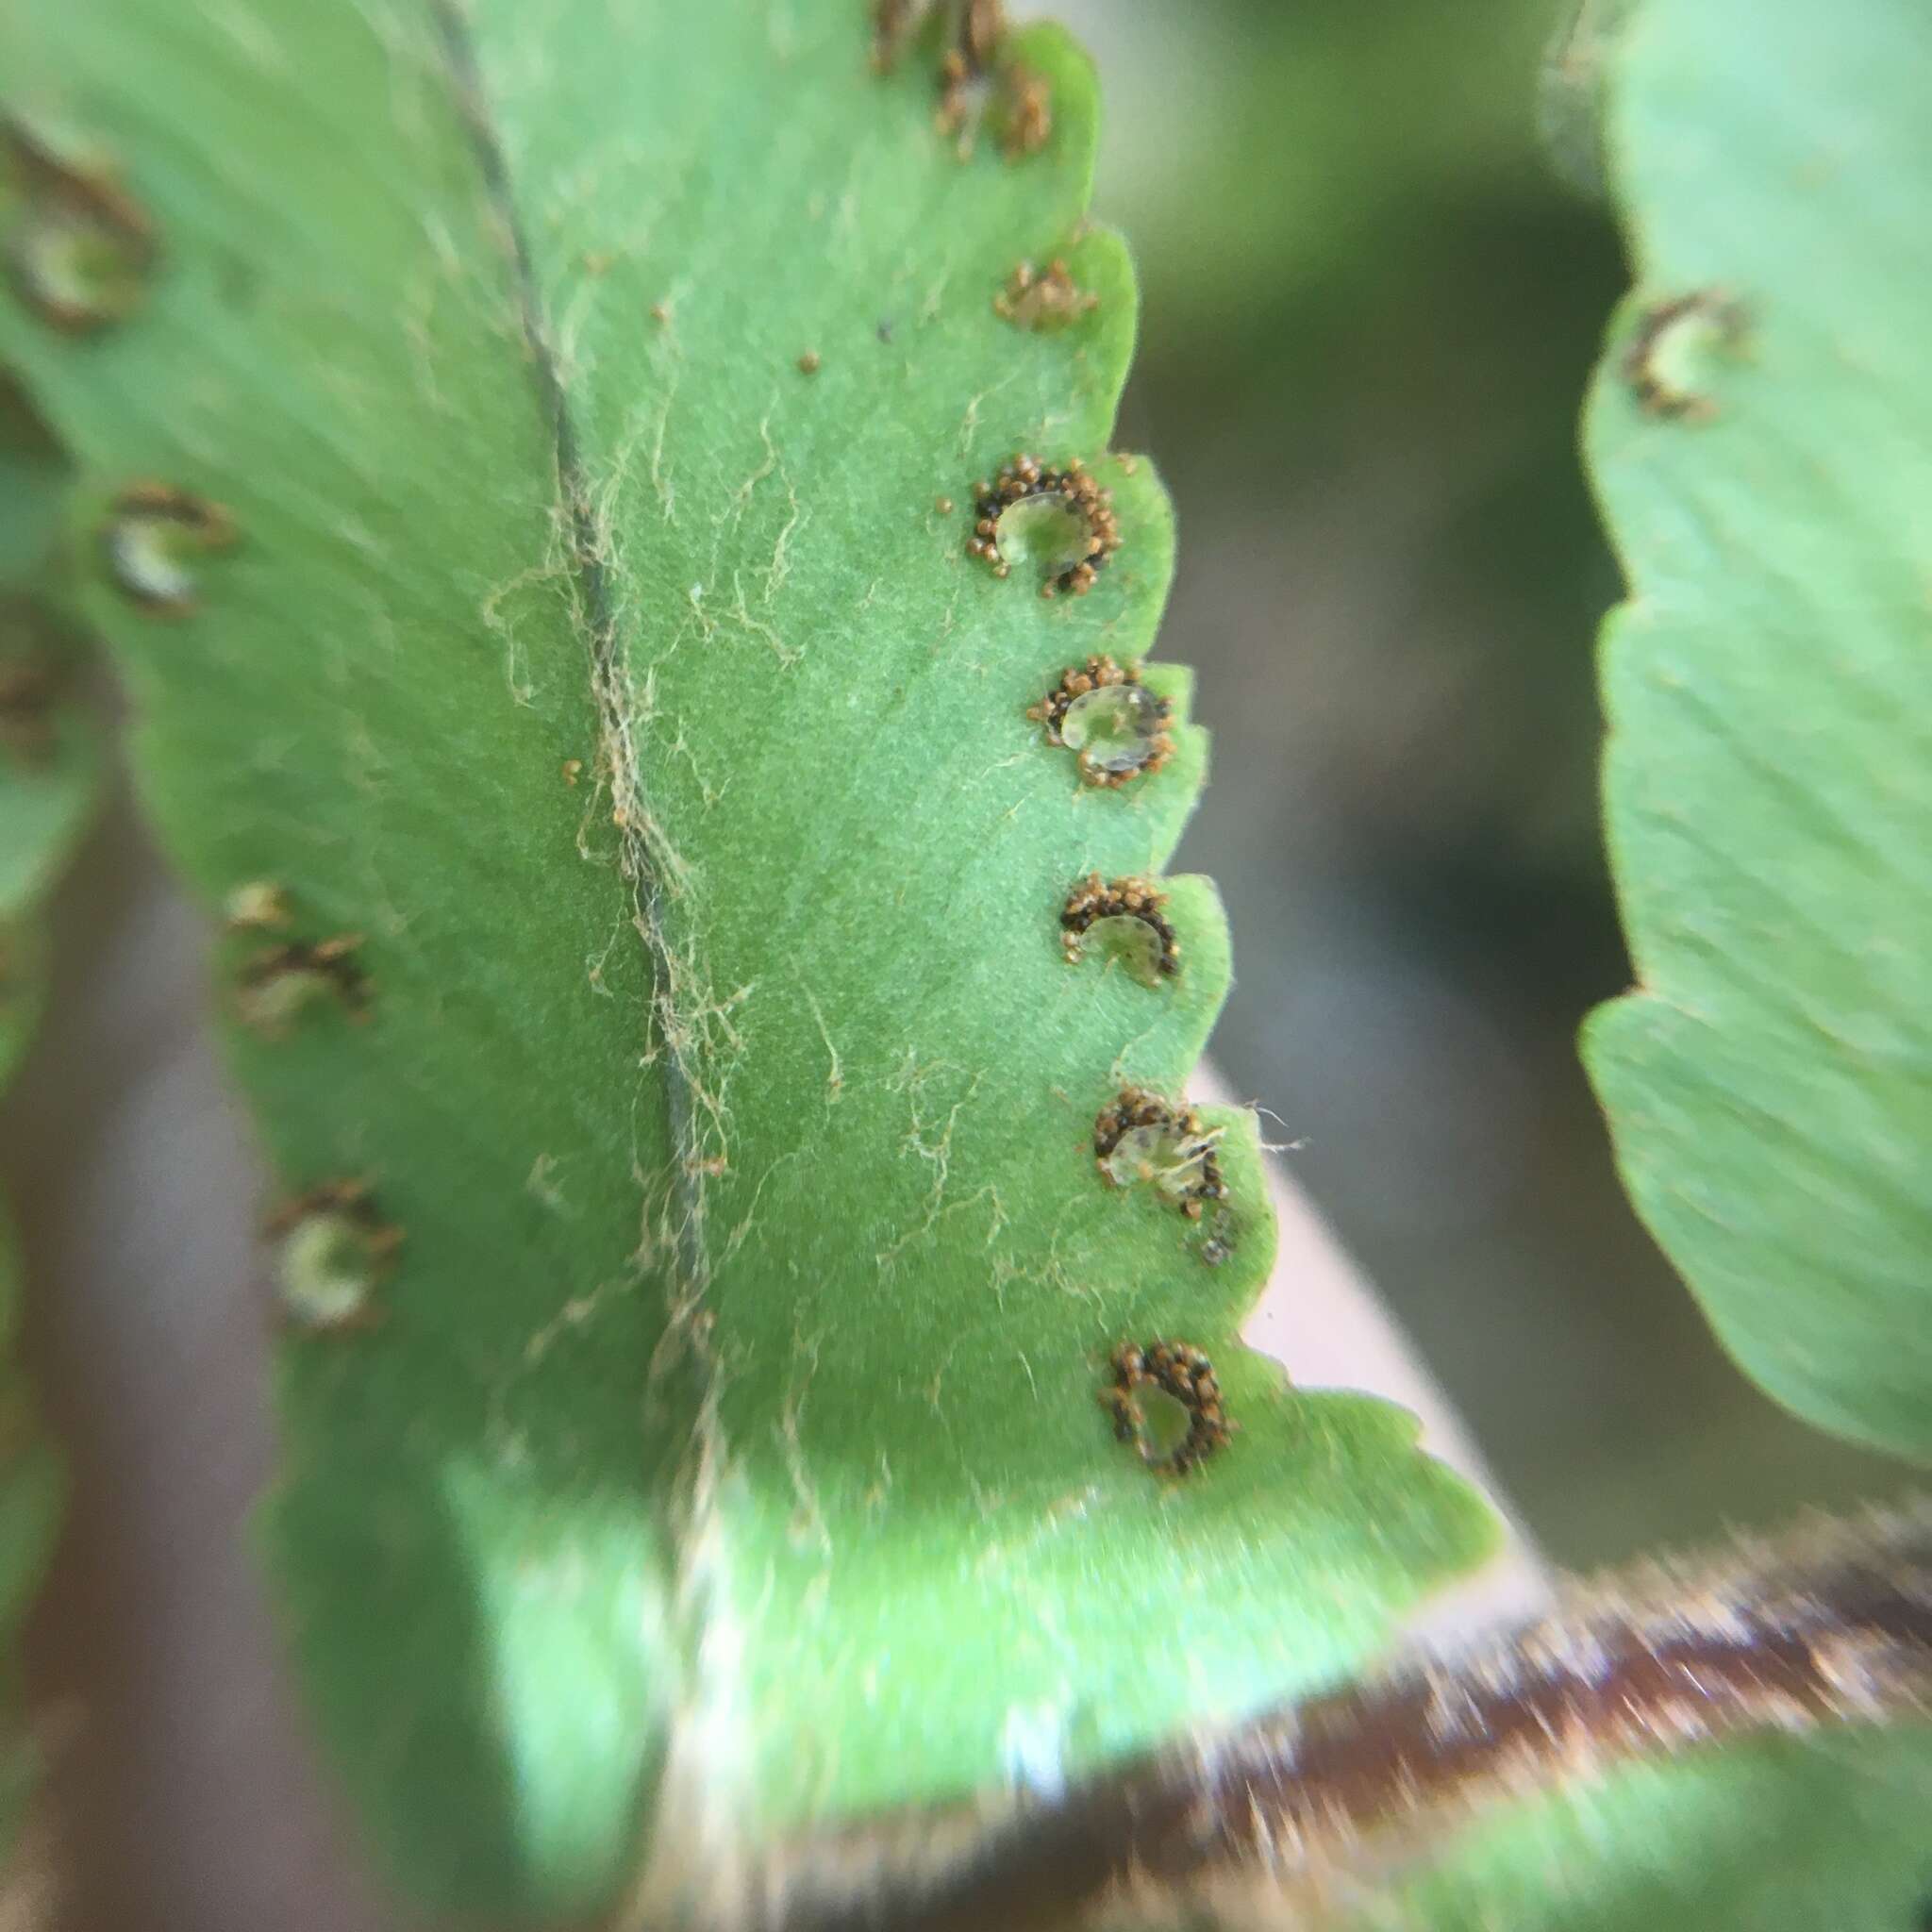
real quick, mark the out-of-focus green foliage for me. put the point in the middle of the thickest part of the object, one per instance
(1785, 1837)
(49, 781)
(1763, 440)
(1761, 437)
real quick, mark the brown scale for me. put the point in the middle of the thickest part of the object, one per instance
(1044, 298)
(1181, 1371)
(1022, 480)
(1095, 899)
(1096, 675)
(1137, 1107)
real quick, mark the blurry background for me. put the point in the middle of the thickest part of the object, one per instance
(1370, 310)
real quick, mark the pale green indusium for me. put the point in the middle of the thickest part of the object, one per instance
(579, 386)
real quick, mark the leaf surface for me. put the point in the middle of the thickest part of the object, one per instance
(1783, 1837)
(596, 397)
(1769, 686)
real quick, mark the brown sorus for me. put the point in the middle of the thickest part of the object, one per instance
(1095, 899)
(1150, 713)
(1181, 1371)
(1658, 392)
(1044, 298)
(1024, 478)
(1136, 1109)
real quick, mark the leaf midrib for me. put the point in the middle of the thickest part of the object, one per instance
(594, 614)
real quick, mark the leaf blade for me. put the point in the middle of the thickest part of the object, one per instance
(742, 1152)
(1764, 779)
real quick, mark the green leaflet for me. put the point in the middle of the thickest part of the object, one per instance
(1783, 1837)
(46, 794)
(1766, 469)
(1769, 776)
(31, 483)
(30, 1476)
(49, 783)
(733, 1403)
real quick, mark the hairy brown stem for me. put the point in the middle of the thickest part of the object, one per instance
(1831, 1625)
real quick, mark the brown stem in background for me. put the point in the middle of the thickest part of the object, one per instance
(1830, 1627)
